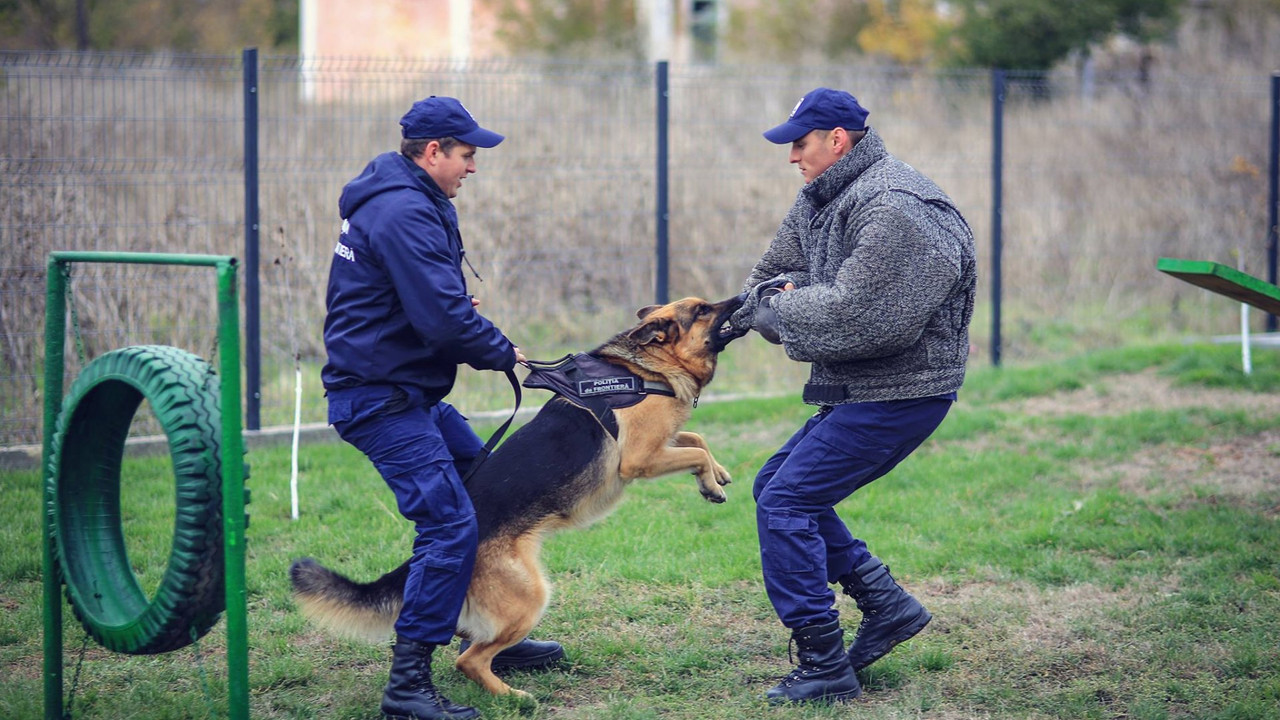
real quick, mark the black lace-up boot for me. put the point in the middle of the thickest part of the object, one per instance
(889, 614)
(410, 694)
(823, 673)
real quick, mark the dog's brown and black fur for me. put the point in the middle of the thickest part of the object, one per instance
(560, 470)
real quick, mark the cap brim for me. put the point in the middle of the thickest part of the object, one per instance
(787, 132)
(481, 138)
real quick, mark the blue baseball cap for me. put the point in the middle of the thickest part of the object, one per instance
(820, 109)
(442, 117)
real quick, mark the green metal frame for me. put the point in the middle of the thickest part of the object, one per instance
(233, 501)
(1224, 280)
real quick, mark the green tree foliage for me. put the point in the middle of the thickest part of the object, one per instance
(218, 26)
(36, 24)
(569, 27)
(1036, 34)
(908, 32)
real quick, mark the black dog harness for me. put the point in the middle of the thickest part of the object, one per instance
(593, 384)
(584, 380)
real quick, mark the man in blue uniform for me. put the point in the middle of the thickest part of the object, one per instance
(399, 323)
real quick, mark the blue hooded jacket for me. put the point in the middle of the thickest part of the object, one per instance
(398, 309)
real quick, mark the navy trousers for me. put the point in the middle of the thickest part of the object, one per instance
(420, 449)
(804, 545)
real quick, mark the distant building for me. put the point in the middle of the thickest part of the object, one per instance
(465, 29)
(386, 30)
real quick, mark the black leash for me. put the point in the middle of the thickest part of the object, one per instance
(497, 434)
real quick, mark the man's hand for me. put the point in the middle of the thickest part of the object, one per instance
(766, 320)
(520, 358)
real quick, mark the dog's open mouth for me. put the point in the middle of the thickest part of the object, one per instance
(724, 332)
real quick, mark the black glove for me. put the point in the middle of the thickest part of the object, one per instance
(766, 320)
(743, 319)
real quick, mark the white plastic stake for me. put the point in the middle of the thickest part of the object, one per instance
(1246, 357)
(297, 428)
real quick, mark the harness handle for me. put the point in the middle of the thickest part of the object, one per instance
(497, 434)
(549, 364)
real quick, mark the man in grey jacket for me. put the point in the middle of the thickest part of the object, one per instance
(871, 280)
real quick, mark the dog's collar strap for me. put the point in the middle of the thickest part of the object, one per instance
(593, 383)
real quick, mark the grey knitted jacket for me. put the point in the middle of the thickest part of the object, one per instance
(885, 276)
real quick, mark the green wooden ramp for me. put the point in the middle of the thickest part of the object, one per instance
(1224, 280)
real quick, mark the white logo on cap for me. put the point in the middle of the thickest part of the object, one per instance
(465, 110)
(797, 107)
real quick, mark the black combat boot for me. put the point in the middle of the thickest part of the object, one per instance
(410, 694)
(889, 614)
(823, 673)
(524, 655)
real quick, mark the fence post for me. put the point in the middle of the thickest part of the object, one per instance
(252, 327)
(997, 205)
(663, 211)
(1273, 197)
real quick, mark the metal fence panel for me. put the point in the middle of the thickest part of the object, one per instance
(145, 153)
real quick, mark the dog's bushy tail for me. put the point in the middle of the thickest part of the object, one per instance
(365, 611)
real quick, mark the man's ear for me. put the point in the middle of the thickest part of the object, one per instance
(840, 140)
(429, 152)
(643, 312)
(656, 330)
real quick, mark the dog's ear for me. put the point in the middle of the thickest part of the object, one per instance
(644, 312)
(656, 330)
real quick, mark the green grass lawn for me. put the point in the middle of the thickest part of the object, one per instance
(1096, 538)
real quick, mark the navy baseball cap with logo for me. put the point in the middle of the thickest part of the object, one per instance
(820, 109)
(441, 117)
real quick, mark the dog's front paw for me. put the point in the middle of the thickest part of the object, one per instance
(711, 491)
(722, 475)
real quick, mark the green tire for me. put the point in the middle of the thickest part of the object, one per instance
(84, 487)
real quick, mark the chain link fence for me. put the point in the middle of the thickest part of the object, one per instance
(146, 153)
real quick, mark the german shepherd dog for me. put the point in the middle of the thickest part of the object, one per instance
(561, 469)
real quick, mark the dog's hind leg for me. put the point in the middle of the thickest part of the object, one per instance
(505, 600)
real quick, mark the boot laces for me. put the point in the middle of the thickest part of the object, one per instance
(428, 689)
(422, 679)
(800, 670)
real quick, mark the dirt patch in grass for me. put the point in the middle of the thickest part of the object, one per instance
(1240, 468)
(1120, 394)
(1032, 640)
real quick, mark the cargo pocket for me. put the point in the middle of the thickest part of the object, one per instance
(791, 543)
(339, 413)
(448, 502)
